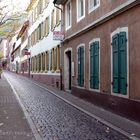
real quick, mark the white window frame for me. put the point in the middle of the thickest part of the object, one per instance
(117, 31)
(92, 41)
(80, 18)
(93, 8)
(66, 22)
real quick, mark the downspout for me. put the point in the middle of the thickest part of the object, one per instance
(58, 7)
(61, 76)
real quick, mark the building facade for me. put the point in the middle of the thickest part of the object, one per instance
(15, 54)
(4, 53)
(100, 52)
(16, 47)
(45, 51)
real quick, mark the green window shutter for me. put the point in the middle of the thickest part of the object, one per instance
(122, 63)
(96, 65)
(79, 70)
(115, 64)
(82, 66)
(91, 66)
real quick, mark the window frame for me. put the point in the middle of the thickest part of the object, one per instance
(80, 45)
(117, 31)
(66, 23)
(92, 41)
(80, 18)
(93, 8)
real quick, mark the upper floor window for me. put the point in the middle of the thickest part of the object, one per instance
(53, 21)
(93, 4)
(46, 2)
(80, 9)
(68, 15)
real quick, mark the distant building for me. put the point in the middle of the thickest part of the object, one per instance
(44, 20)
(24, 57)
(4, 52)
(15, 54)
(101, 52)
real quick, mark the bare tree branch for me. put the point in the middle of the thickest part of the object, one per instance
(3, 17)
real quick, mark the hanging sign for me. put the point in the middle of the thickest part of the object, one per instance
(58, 35)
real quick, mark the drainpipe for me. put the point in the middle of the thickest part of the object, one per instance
(61, 77)
(57, 6)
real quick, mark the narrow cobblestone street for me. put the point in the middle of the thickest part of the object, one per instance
(55, 119)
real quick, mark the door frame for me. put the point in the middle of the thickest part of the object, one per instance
(66, 84)
(117, 31)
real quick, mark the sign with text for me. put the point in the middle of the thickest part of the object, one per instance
(58, 35)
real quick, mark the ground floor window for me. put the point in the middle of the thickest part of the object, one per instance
(81, 66)
(119, 63)
(94, 65)
(47, 61)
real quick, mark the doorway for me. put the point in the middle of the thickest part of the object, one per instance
(67, 70)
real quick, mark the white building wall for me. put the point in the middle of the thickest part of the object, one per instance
(46, 43)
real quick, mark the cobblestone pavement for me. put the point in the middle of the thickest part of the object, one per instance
(13, 124)
(55, 119)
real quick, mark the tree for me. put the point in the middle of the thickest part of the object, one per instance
(10, 21)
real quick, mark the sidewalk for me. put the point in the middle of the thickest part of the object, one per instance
(13, 124)
(119, 123)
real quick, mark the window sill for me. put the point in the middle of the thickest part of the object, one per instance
(80, 18)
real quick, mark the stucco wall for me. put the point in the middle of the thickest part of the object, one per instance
(130, 19)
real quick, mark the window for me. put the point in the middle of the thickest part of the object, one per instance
(93, 4)
(49, 60)
(39, 31)
(39, 62)
(52, 20)
(81, 66)
(47, 26)
(42, 30)
(80, 9)
(36, 36)
(43, 62)
(119, 63)
(36, 15)
(32, 17)
(54, 58)
(36, 63)
(68, 15)
(46, 61)
(57, 16)
(39, 7)
(46, 3)
(94, 65)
